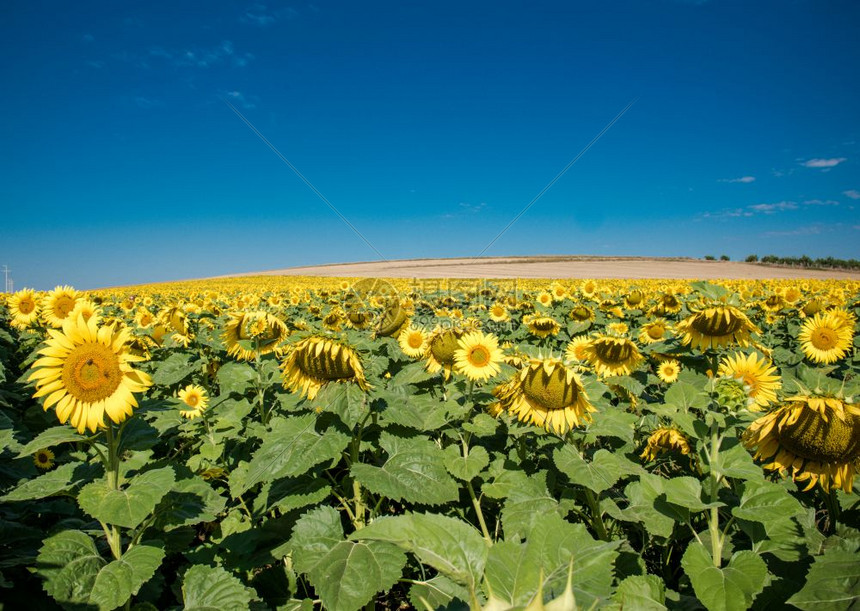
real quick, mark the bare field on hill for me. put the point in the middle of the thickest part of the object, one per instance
(558, 267)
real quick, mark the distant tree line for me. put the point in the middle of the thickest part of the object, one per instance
(804, 261)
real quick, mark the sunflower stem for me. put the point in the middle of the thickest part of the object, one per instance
(596, 515)
(476, 502)
(714, 519)
(261, 391)
(358, 519)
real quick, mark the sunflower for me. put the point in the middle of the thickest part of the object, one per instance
(669, 370)
(333, 320)
(413, 341)
(24, 307)
(87, 309)
(441, 346)
(358, 319)
(315, 361)
(653, 331)
(144, 318)
(478, 356)
(43, 459)
(589, 289)
(545, 299)
(499, 313)
(558, 290)
(667, 303)
(825, 338)
(665, 439)
(195, 399)
(816, 438)
(581, 313)
(633, 300)
(716, 326)
(393, 320)
(575, 350)
(612, 356)
(547, 394)
(58, 304)
(248, 333)
(757, 373)
(84, 370)
(541, 326)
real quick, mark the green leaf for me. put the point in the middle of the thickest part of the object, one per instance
(51, 437)
(190, 501)
(735, 461)
(764, 502)
(466, 468)
(644, 507)
(415, 472)
(173, 369)
(348, 401)
(292, 493)
(833, 583)
(122, 579)
(438, 592)
(482, 425)
(685, 396)
(600, 473)
(641, 592)
(451, 546)
(411, 374)
(614, 423)
(526, 504)
(207, 588)
(291, 448)
(235, 377)
(419, 412)
(128, 506)
(53, 482)
(314, 534)
(724, 589)
(686, 492)
(69, 563)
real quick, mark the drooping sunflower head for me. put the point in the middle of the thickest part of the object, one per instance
(195, 400)
(144, 318)
(541, 326)
(815, 439)
(413, 341)
(634, 300)
(581, 313)
(174, 319)
(612, 356)
(333, 320)
(58, 304)
(394, 318)
(547, 394)
(754, 371)
(24, 307)
(85, 372)
(316, 361)
(441, 346)
(667, 303)
(358, 318)
(478, 356)
(826, 338)
(716, 326)
(665, 439)
(247, 334)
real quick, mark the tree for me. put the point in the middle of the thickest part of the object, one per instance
(752, 258)
(725, 258)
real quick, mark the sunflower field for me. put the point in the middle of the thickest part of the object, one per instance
(342, 444)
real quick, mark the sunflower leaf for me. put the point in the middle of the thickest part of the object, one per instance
(130, 505)
(833, 583)
(734, 586)
(121, 579)
(51, 437)
(468, 467)
(69, 562)
(173, 369)
(415, 472)
(53, 482)
(190, 501)
(766, 502)
(644, 592)
(235, 377)
(206, 588)
(600, 473)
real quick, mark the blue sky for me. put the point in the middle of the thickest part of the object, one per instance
(428, 125)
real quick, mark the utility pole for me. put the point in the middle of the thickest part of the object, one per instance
(6, 286)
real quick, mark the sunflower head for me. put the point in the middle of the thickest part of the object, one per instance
(315, 361)
(43, 459)
(541, 326)
(669, 370)
(24, 307)
(394, 318)
(716, 326)
(754, 372)
(581, 313)
(478, 356)
(653, 331)
(247, 334)
(575, 350)
(441, 346)
(826, 338)
(413, 341)
(665, 439)
(194, 399)
(612, 356)
(814, 438)
(547, 394)
(58, 304)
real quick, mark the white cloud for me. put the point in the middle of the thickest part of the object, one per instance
(823, 163)
(237, 97)
(260, 15)
(852, 193)
(203, 57)
(820, 202)
(808, 230)
(743, 179)
(772, 208)
(473, 207)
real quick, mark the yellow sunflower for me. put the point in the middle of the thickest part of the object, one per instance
(716, 326)
(634, 300)
(541, 326)
(393, 320)
(24, 307)
(478, 356)
(499, 313)
(87, 309)
(58, 304)
(825, 338)
(612, 356)
(545, 299)
(653, 331)
(559, 291)
(43, 459)
(413, 341)
(84, 370)
(756, 372)
(247, 333)
(817, 439)
(575, 350)
(358, 319)
(441, 346)
(667, 303)
(581, 313)
(195, 399)
(144, 318)
(665, 439)
(669, 370)
(315, 361)
(546, 394)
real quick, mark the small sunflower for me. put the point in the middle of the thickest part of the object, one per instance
(546, 394)
(58, 304)
(413, 341)
(247, 333)
(499, 313)
(755, 372)
(87, 309)
(43, 459)
(478, 356)
(653, 331)
(634, 300)
(541, 326)
(559, 291)
(817, 439)
(358, 319)
(545, 299)
(581, 313)
(195, 399)
(669, 370)
(393, 320)
(575, 350)
(612, 356)
(144, 318)
(441, 346)
(825, 338)
(84, 370)
(665, 439)
(315, 361)
(667, 303)
(716, 326)
(24, 307)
